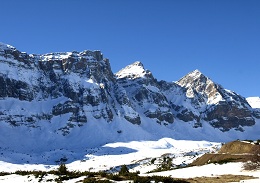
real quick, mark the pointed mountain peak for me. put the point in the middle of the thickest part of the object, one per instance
(138, 63)
(133, 71)
(193, 77)
(196, 71)
(197, 82)
(195, 74)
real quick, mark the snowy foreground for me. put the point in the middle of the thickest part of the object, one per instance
(211, 170)
(138, 156)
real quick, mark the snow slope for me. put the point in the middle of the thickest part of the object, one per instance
(48, 148)
(132, 71)
(211, 170)
(135, 154)
(138, 155)
(254, 102)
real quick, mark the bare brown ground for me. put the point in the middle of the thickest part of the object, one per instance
(235, 151)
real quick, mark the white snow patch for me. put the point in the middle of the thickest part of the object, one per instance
(135, 70)
(210, 170)
(254, 102)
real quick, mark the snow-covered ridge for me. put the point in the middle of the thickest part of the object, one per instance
(57, 56)
(4, 46)
(133, 71)
(87, 54)
(191, 76)
(195, 74)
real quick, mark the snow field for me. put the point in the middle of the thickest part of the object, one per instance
(137, 155)
(210, 170)
(254, 102)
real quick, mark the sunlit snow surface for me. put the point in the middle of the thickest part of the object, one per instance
(137, 156)
(134, 70)
(254, 102)
(211, 170)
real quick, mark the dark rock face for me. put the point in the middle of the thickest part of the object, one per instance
(227, 117)
(256, 113)
(76, 87)
(15, 89)
(144, 92)
(186, 115)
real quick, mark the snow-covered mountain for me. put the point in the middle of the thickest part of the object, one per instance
(72, 100)
(222, 108)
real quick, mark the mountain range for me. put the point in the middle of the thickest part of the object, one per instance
(74, 100)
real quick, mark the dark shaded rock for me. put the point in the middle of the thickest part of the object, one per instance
(225, 124)
(256, 113)
(134, 120)
(186, 116)
(64, 108)
(160, 115)
(228, 116)
(15, 89)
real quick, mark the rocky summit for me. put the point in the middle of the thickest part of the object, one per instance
(73, 94)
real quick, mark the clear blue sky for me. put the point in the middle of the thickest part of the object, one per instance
(221, 38)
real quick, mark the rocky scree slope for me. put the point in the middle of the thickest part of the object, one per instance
(61, 92)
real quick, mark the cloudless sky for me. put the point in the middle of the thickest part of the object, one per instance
(171, 38)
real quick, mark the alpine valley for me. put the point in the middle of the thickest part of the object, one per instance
(63, 107)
